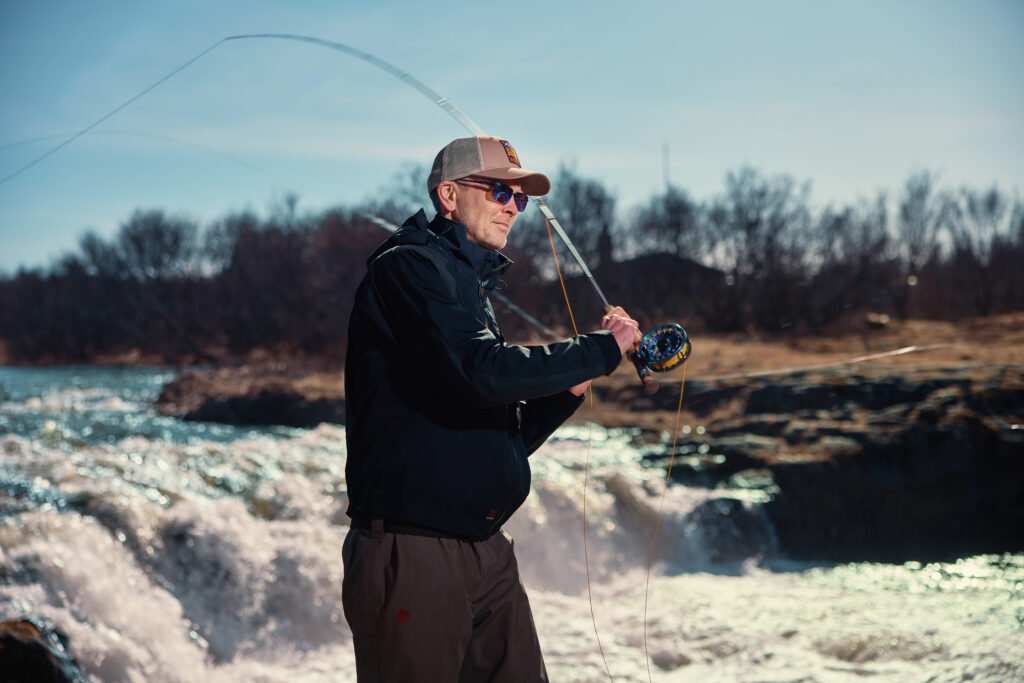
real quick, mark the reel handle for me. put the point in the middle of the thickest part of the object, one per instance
(650, 384)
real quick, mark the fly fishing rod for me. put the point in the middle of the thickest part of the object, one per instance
(661, 349)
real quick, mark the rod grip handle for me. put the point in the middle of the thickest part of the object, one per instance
(644, 373)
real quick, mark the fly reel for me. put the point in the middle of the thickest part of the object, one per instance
(663, 348)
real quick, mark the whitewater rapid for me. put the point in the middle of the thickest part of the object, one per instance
(170, 551)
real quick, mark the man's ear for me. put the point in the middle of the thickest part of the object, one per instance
(446, 193)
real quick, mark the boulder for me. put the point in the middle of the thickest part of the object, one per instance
(35, 651)
(255, 395)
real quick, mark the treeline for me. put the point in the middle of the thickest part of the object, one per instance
(756, 257)
(165, 287)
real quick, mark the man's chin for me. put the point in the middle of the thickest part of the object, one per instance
(498, 242)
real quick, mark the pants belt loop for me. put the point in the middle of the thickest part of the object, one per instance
(377, 528)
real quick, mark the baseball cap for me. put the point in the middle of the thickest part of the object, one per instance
(487, 157)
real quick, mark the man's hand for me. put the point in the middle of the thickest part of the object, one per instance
(579, 388)
(626, 332)
(625, 329)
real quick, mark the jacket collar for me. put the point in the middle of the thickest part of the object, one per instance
(488, 264)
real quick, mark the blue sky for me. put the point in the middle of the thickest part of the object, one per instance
(851, 96)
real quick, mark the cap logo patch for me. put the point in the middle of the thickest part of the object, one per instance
(510, 152)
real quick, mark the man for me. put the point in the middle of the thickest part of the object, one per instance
(441, 415)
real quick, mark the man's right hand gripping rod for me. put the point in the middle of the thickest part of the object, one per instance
(663, 348)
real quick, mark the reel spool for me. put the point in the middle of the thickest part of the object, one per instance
(663, 348)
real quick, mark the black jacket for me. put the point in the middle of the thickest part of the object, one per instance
(441, 412)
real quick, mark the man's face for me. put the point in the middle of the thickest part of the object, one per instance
(487, 222)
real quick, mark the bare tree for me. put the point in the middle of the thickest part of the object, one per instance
(100, 257)
(220, 239)
(853, 261)
(402, 196)
(980, 224)
(919, 218)
(153, 245)
(672, 223)
(759, 229)
(585, 209)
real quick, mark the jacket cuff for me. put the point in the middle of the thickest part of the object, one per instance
(569, 402)
(564, 404)
(610, 349)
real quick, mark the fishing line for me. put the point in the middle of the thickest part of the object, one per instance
(825, 366)
(155, 136)
(400, 74)
(861, 359)
(404, 76)
(106, 116)
(661, 509)
(552, 222)
(586, 466)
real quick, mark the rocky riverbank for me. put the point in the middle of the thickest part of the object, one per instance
(921, 464)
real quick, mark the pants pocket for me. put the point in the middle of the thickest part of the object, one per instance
(364, 588)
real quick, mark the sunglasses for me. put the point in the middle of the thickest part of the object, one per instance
(500, 192)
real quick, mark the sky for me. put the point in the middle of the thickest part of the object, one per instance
(852, 97)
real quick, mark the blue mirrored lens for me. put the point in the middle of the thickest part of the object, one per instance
(501, 193)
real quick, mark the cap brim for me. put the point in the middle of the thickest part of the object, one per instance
(533, 183)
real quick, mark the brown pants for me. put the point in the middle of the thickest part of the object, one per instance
(438, 610)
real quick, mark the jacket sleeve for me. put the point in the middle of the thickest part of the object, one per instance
(540, 417)
(422, 309)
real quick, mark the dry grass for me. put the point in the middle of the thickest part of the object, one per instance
(978, 343)
(992, 340)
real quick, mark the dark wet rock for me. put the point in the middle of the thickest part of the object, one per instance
(732, 530)
(269, 407)
(855, 392)
(949, 482)
(765, 425)
(670, 660)
(928, 464)
(702, 397)
(35, 651)
(254, 396)
(697, 463)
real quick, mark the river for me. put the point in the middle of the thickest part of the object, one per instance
(174, 551)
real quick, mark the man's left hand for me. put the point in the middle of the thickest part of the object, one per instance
(579, 388)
